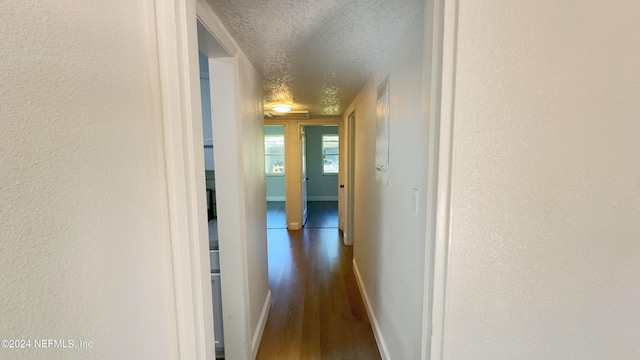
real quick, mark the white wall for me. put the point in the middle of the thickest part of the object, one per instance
(83, 208)
(545, 233)
(389, 237)
(255, 207)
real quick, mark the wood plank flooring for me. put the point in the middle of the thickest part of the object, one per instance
(276, 215)
(320, 214)
(317, 311)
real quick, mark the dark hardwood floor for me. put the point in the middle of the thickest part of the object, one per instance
(276, 215)
(317, 311)
(321, 214)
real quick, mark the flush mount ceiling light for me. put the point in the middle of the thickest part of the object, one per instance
(283, 108)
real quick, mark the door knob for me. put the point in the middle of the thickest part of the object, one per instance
(341, 186)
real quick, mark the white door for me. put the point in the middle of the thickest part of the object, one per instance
(305, 179)
(350, 181)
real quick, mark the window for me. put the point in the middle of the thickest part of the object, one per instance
(330, 154)
(274, 154)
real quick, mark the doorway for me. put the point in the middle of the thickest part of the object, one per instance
(294, 184)
(245, 293)
(222, 256)
(275, 170)
(321, 167)
(348, 178)
(212, 212)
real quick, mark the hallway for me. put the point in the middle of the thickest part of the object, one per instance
(317, 310)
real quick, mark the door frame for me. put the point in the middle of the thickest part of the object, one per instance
(177, 36)
(304, 204)
(293, 178)
(348, 178)
(439, 77)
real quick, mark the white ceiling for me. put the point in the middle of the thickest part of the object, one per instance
(315, 54)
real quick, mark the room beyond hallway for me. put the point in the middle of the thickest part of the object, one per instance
(321, 214)
(317, 311)
(276, 215)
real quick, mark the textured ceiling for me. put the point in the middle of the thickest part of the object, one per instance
(317, 54)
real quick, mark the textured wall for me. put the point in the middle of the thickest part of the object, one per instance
(83, 210)
(389, 239)
(546, 182)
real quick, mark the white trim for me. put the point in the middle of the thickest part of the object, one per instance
(262, 322)
(446, 165)
(322, 198)
(230, 198)
(377, 332)
(232, 222)
(349, 179)
(276, 198)
(432, 83)
(176, 32)
(211, 22)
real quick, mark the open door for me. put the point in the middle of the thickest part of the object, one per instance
(305, 179)
(350, 179)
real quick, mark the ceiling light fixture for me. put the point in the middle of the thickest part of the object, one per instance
(283, 108)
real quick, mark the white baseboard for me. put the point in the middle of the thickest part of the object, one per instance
(346, 238)
(377, 333)
(294, 226)
(257, 335)
(276, 198)
(322, 198)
